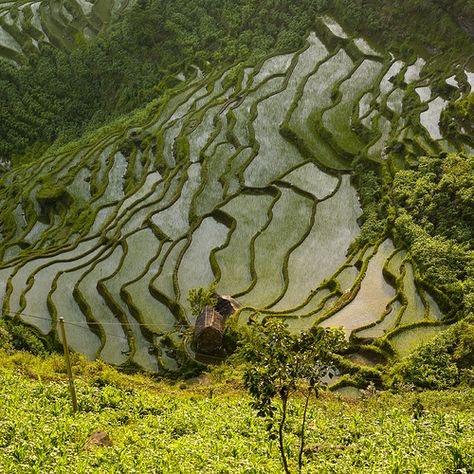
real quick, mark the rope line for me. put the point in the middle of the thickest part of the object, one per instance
(85, 324)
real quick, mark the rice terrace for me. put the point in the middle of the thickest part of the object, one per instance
(315, 163)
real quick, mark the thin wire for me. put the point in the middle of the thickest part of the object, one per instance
(78, 324)
(86, 325)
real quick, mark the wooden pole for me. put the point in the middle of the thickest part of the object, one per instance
(68, 364)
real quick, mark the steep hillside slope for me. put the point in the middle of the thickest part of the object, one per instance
(27, 25)
(257, 177)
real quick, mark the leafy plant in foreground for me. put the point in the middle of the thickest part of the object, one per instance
(281, 365)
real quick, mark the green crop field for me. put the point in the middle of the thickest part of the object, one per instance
(252, 175)
(207, 425)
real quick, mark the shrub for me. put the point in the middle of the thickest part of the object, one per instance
(199, 298)
(280, 365)
(5, 337)
(444, 362)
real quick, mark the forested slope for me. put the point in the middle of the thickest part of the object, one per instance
(70, 79)
(315, 166)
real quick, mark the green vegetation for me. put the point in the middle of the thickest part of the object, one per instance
(457, 119)
(199, 298)
(207, 425)
(269, 151)
(312, 159)
(17, 337)
(280, 366)
(412, 22)
(60, 91)
(446, 361)
(435, 214)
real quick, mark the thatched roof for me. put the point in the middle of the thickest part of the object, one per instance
(226, 305)
(209, 328)
(209, 331)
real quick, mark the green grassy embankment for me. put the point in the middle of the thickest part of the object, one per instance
(206, 425)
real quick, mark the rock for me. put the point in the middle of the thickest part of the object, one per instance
(98, 438)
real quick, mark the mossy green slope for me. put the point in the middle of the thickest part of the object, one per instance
(247, 168)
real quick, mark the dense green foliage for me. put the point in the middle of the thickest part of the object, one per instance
(58, 93)
(199, 298)
(439, 196)
(281, 365)
(414, 21)
(16, 336)
(458, 118)
(446, 361)
(435, 206)
(369, 187)
(209, 426)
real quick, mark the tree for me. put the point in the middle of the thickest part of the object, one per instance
(199, 298)
(280, 365)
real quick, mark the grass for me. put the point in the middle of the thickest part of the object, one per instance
(206, 425)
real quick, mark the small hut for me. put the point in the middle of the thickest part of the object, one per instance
(209, 331)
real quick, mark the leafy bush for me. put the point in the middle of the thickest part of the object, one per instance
(279, 365)
(5, 337)
(443, 362)
(15, 335)
(458, 118)
(199, 298)
(25, 339)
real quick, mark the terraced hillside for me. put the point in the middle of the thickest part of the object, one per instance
(25, 25)
(241, 177)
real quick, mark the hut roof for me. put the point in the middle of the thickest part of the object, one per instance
(226, 305)
(209, 330)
